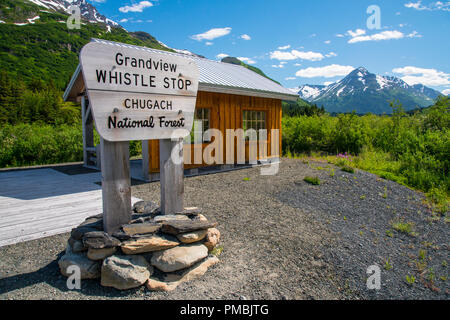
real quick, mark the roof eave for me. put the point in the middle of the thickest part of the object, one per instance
(69, 95)
(208, 87)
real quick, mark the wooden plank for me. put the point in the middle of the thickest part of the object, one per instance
(116, 184)
(171, 176)
(145, 160)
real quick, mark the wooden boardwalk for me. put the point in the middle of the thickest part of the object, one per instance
(43, 202)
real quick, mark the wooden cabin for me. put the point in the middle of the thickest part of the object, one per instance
(229, 97)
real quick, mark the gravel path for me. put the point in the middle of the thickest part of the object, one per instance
(282, 239)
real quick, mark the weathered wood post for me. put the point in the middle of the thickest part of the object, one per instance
(116, 184)
(136, 93)
(171, 175)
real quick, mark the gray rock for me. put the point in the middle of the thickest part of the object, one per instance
(177, 227)
(178, 258)
(93, 222)
(148, 244)
(100, 254)
(99, 240)
(125, 272)
(170, 217)
(78, 232)
(88, 269)
(140, 228)
(193, 236)
(77, 245)
(190, 211)
(145, 207)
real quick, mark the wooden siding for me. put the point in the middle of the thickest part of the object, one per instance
(226, 113)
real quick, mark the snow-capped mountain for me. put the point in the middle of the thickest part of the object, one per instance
(88, 11)
(364, 92)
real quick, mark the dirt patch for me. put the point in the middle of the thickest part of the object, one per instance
(282, 239)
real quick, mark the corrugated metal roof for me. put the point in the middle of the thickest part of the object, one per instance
(221, 77)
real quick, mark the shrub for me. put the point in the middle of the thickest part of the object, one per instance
(312, 180)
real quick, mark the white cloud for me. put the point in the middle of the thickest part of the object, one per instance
(438, 5)
(327, 83)
(123, 20)
(327, 42)
(209, 43)
(331, 54)
(137, 7)
(281, 65)
(295, 54)
(385, 35)
(446, 91)
(356, 33)
(284, 47)
(329, 71)
(428, 77)
(247, 60)
(297, 64)
(414, 34)
(220, 56)
(340, 35)
(245, 37)
(293, 78)
(212, 34)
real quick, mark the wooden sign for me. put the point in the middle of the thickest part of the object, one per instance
(137, 94)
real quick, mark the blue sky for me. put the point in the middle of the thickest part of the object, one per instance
(303, 42)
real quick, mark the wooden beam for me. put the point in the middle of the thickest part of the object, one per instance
(145, 160)
(171, 175)
(116, 184)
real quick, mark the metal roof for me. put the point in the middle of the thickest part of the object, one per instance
(214, 76)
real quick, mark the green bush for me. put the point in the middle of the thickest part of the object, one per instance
(411, 149)
(35, 144)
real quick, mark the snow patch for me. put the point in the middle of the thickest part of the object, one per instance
(33, 19)
(308, 92)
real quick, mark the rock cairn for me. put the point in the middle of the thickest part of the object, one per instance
(159, 251)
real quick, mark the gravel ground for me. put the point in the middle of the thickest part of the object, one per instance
(282, 239)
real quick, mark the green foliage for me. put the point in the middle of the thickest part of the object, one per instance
(37, 61)
(413, 150)
(403, 227)
(312, 180)
(301, 108)
(410, 280)
(35, 144)
(31, 144)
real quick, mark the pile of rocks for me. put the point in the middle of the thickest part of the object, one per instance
(160, 251)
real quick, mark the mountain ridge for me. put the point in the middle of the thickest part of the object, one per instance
(364, 92)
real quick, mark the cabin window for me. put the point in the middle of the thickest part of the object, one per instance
(253, 120)
(200, 126)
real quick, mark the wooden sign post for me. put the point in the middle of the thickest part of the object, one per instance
(171, 172)
(138, 94)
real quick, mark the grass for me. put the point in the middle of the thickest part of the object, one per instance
(410, 280)
(387, 264)
(404, 227)
(217, 251)
(348, 169)
(312, 180)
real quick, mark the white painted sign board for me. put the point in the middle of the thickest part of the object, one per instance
(136, 94)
